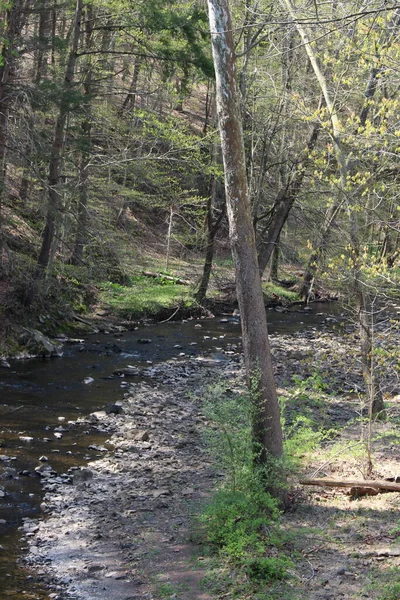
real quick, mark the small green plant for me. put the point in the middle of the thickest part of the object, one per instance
(228, 436)
(165, 590)
(301, 438)
(391, 591)
(240, 521)
(236, 522)
(395, 531)
(267, 569)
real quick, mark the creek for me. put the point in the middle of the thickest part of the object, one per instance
(41, 400)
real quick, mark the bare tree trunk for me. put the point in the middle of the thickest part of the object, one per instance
(54, 196)
(212, 228)
(283, 205)
(266, 428)
(366, 318)
(13, 16)
(130, 100)
(169, 235)
(45, 25)
(86, 126)
(273, 273)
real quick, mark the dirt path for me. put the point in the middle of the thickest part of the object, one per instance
(122, 530)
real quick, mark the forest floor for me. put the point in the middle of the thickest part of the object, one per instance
(126, 530)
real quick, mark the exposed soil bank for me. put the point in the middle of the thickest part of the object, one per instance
(120, 529)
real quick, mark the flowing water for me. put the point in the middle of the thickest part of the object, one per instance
(38, 397)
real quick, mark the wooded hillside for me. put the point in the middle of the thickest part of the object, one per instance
(108, 144)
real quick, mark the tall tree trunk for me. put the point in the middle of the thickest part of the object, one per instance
(130, 100)
(366, 319)
(283, 205)
(86, 126)
(273, 273)
(45, 25)
(13, 17)
(54, 195)
(212, 228)
(347, 199)
(266, 428)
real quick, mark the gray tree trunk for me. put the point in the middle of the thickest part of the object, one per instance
(266, 428)
(54, 197)
(86, 127)
(13, 21)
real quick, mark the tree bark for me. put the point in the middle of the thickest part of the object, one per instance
(45, 26)
(212, 228)
(13, 16)
(86, 127)
(54, 198)
(283, 205)
(130, 100)
(266, 428)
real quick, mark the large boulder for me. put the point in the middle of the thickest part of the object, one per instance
(37, 344)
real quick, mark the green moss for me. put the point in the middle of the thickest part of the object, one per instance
(144, 296)
(275, 292)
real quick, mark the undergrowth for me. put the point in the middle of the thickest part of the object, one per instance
(240, 522)
(144, 295)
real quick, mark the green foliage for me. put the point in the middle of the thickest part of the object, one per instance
(181, 35)
(143, 296)
(229, 435)
(240, 521)
(268, 569)
(273, 291)
(236, 522)
(391, 588)
(301, 438)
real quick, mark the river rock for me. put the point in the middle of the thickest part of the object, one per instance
(142, 436)
(8, 473)
(114, 409)
(127, 371)
(82, 475)
(38, 344)
(144, 341)
(45, 470)
(26, 438)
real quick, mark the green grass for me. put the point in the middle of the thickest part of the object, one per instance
(144, 296)
(390, 590)
(271, 290)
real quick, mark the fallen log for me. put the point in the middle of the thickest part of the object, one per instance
(177, 280)
(380, 485)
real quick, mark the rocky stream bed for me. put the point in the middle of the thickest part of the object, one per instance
(120, 528)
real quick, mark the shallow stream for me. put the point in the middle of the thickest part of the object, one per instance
(38, 398)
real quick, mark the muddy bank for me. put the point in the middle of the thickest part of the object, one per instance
(117, 526)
